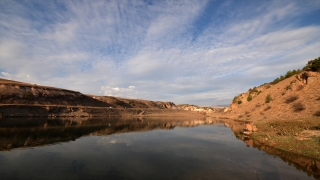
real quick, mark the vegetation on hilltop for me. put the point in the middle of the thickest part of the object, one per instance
(287, 75)
(312, 65)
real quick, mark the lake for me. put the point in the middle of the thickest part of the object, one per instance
(154, 148)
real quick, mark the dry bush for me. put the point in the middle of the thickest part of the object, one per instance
(299, 87)
(291, 98)
(298, 106)
(261, 113)
(258, 105)
(240, 116)
(318, 98)
(317, 113)
(267, 108)
(247, 112)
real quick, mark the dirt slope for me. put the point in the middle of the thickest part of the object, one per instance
(290, 99)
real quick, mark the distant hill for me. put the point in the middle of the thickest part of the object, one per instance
(25, 99)
(20, 93)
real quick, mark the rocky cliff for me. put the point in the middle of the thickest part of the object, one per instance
(24, 99)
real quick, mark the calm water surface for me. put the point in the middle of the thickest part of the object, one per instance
(145, 149)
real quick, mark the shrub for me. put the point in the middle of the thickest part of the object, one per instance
(298, 106)
(259, 92)
(235, 99)
(239, 102)
(268, 98)
(240, 116)
(254, 90)
(249, 97)
(258, 105)
(267, 108)
(291, 98)
(313, 65)
(317, 113)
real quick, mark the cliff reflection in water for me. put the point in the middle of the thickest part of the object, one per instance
(24, 132)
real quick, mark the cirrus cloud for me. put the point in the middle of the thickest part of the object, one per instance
(201, 52)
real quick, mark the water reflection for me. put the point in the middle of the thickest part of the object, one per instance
(30, 132)
(153, 148)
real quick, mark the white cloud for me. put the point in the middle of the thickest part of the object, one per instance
(119, 92)
(5, 74)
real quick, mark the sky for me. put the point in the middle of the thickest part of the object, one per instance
(201, 52)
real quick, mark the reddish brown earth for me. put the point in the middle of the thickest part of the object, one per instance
(304, 104)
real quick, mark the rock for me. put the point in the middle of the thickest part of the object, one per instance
(249, 127)
(254, 129)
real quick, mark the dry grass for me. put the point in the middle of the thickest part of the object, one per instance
(288, 127)
(291, 98)
(283, 135)
(298, 106)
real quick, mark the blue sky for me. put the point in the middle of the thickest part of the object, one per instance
(199, 52)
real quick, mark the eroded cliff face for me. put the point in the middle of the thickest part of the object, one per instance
(24, 99)
(40, 95)
(118, 102)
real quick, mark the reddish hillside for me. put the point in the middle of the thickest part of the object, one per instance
(289, 99)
